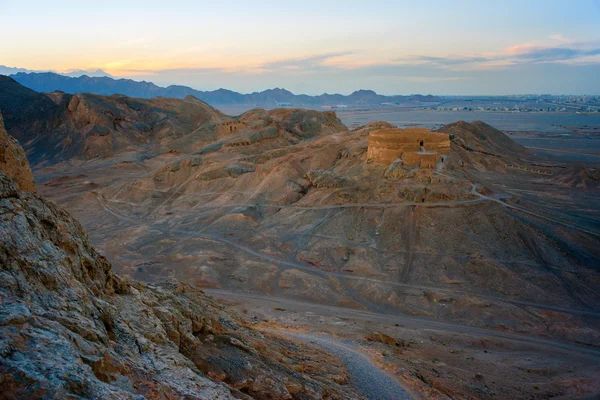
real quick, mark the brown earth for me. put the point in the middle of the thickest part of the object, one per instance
(13, 161)
(312, 220)
(282, 203)
(70, 328)
(435, 359)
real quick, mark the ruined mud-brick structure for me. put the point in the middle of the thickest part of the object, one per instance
(229, 127)
(415, 146)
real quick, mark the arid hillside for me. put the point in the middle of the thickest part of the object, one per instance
(252, 206)
(284, 207)
(56, 126)
(71, 328)
(485, 147)
(13, 161)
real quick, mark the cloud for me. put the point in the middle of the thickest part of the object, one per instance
(313, 61)
(431, 79)
(442, 61)
(540, 54)
(568, 52)
(428, 71)
(297, 65)
(560, 38)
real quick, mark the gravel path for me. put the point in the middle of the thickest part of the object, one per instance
(365, 376)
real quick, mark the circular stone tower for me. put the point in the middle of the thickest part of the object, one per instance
(415, 146)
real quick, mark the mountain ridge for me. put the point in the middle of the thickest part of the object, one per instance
(6, 70)
(49, 82)
(57, 125)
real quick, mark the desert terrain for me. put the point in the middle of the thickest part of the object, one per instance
(475, 277)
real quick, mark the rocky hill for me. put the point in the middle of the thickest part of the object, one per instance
(13, 161)
(60, 126)
(86, 126)
(284, 203)
(484, 146)
(49, 82)
(251, 205)
(71, 328)
(26, 110)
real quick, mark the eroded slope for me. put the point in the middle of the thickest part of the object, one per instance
(70, 328)
(13, 161)
(313, 220)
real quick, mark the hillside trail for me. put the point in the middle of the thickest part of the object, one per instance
(406, 321)
(365, 375)
(286, 264)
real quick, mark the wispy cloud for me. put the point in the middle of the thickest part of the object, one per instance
(560, 38)
(371, 68)
(297, 65)
(565, 51)
(312, 61)
(550, 54)
(432, 79)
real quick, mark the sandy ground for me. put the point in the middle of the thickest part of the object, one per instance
(433, 359)
(486, 289)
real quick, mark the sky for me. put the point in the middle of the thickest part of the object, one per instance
(459, 47)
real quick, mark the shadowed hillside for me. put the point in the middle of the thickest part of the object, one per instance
(59, 126)
(25, 110)
(13, 161)
(284, 206)
(71, 328)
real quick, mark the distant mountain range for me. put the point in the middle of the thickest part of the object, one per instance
(4, 70)
(103, 85)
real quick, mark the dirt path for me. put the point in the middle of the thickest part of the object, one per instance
(475, 192)
(285, 264)
(563, 151)
(407, 321)
(411, 232)
(352, 205)
(365, 375)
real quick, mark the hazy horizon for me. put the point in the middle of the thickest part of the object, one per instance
(344, 93)
(391, 47)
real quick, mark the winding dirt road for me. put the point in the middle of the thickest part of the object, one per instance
(407, 321)
(285, 264)
(365, 376)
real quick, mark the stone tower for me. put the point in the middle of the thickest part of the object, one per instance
(415, 146)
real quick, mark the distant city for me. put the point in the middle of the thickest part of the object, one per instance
(521, 103)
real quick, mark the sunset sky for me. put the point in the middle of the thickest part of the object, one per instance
(393, 47)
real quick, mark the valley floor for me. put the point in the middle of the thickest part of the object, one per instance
(484, 290)
(432, 359)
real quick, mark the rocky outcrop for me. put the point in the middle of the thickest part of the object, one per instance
(482, 138)
(70, 328)
(13, 161)
(60, 126)
(328, 179)
(483, 147)
(25, 109)
(305, 124)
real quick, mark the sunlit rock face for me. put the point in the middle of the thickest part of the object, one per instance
(415, 146)
(14, 162)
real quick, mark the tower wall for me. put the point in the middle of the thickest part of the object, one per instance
(386, 145)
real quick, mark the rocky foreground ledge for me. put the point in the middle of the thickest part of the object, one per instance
(70, 328)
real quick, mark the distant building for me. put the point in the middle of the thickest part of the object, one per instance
(415, 146)
(335, 107)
